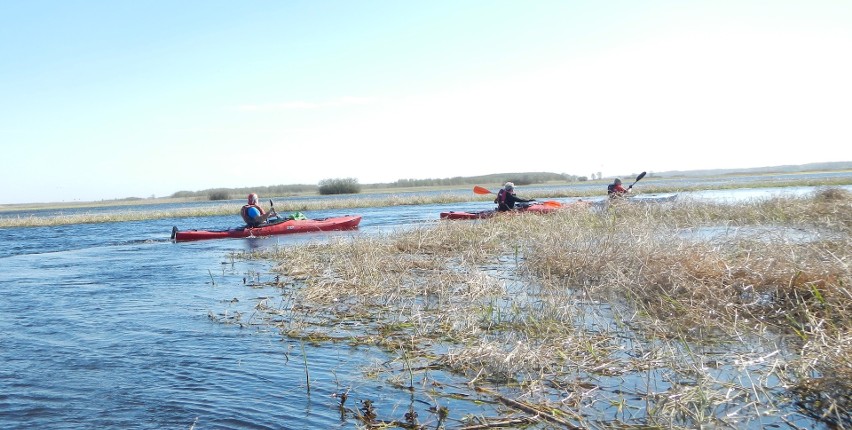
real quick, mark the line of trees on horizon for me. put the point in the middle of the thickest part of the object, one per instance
(351, 185)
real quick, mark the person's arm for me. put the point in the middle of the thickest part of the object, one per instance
(260, 216)
(265, 216)
(525, 200)
(515, 199)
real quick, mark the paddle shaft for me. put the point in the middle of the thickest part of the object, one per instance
(272, 207)
(638, 178)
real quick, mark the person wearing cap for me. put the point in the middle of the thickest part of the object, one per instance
(253, 214)
(616, 189)
(506, 198)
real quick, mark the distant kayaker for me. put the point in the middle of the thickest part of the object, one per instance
(506, 198)
(616, 190)
(253, 214)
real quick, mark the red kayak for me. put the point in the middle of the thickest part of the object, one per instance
(347, 222)
(539, 208)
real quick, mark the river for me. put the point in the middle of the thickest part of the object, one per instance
(108, 326)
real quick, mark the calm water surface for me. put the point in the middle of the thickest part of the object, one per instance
(107, 326)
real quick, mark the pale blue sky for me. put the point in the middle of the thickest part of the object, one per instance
(114, 99)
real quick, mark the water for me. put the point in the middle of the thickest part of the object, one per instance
(108, 326)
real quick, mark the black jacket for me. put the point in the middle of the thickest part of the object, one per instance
(506, 201)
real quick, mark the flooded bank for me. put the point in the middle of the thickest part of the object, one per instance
(579, 319)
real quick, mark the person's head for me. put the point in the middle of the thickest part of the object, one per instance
(509, 187)
(252, 199)
(617, 181)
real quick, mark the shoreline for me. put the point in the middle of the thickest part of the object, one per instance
(120, 211)
(138, 201)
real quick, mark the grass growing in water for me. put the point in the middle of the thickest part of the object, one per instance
(393, 198)
(283, 207)
(681, 315)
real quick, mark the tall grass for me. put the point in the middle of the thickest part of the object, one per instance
(117, 216)
(396, 197)
(680, 315)
(283, 206)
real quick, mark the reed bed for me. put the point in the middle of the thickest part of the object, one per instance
(312, 204)
(680, 315)
(116, 216)
(676, 185)
(283, 207)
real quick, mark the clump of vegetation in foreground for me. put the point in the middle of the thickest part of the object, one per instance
(687, 315)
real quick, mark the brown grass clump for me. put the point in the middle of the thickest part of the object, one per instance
(827, 394)
(366, 278)
(685, 315)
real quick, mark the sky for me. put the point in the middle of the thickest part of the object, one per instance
(105, 99)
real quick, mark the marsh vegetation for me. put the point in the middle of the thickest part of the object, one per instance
(682, 315)
(196, 207)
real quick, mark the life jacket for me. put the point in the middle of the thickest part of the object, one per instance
(501, 200)
(248, 220)
(615, 191)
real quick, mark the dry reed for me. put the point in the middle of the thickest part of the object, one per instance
(117, 214)
(679, 315)
(111, 211)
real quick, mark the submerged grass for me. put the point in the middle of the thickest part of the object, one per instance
(681, 315)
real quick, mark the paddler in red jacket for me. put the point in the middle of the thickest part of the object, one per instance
(616, 190)
(253, 214)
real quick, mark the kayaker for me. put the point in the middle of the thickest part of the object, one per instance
(506, 198)
(253, 214)
(616, 190)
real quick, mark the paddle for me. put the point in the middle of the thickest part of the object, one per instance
(638, 178)
(551, 203)
(272, 208)
(479, 190)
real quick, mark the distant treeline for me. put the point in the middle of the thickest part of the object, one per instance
(234, 193)
(351, 186)
(797, 168)
(497, 178)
